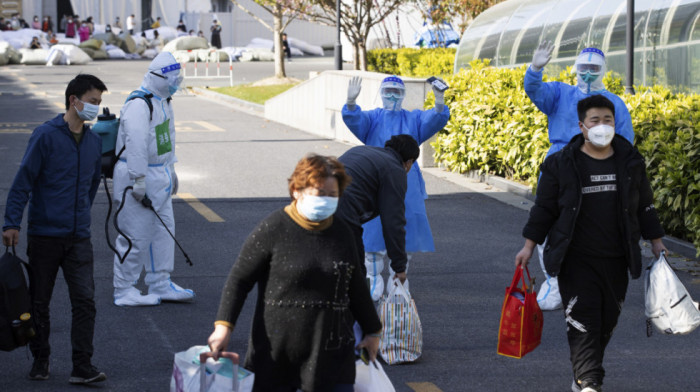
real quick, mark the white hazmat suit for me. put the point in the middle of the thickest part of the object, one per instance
(147, 165)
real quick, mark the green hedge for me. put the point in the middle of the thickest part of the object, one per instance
(496, 129)
(411, 62)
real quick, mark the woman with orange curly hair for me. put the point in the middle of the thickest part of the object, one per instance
(311, 289)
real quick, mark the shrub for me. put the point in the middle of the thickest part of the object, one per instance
(410, 62)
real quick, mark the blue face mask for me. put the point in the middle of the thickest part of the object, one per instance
(89, 111)
(317, 208)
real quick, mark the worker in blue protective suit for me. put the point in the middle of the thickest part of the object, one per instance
(147, 164)
(374, 128)
(559, 101)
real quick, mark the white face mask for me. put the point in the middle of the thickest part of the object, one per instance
(600, 135)
(89, 111)
(317, 208)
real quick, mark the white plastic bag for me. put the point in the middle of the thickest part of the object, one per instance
(371, 378)
(191, 375)
(548, 297)
(668, 305)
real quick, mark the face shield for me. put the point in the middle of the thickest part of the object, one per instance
(590, 70)
(167, 69)
(392, 91)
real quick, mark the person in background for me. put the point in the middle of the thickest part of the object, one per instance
(181, 26)
(70, 27)
(108, 28)
(117, 23)
(285, 47)
(311, 289)
(84, 32)
(47, 25)
(156, 24)
(200, 33)
(90, 24)
(35, 44)
(51, 37)
(130, 23)
(374, 128)
(58, 177)
(215, 34)
(36, 25)
(593, 205)
(192, 33)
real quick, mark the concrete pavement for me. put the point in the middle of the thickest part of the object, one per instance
(235, 164)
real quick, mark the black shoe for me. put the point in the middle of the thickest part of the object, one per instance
(40, 370)
(86, 375)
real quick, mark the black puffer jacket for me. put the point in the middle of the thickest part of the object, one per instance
(559, 199)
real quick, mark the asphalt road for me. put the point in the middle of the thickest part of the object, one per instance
(236, 165)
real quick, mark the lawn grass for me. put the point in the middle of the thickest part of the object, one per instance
(256, 94)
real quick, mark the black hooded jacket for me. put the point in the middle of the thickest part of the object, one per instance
(559, 198)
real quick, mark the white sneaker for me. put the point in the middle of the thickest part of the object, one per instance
(169, 291)
(132, 297)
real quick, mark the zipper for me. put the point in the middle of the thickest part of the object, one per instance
(77, 185)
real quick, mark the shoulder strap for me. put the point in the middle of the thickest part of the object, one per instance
(140, 94)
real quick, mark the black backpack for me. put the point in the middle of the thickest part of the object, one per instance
(16, 324)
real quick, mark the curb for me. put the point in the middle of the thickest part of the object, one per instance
(250, 107)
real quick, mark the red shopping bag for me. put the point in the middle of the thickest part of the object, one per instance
(521, 318)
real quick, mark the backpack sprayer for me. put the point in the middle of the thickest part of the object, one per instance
(107, 127)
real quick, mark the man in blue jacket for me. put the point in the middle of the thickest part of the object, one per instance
(58, 177)
(558, 101)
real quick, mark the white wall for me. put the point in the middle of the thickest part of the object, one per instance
(315, 105)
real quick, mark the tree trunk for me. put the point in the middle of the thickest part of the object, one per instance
(356, 56)
(363, 56)
(279, 51)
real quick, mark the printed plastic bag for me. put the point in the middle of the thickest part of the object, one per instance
(402, 335)
(668, 305)
(195, 370)
(371, 378)
(521, 325)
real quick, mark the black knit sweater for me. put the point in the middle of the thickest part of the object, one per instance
(310, 292)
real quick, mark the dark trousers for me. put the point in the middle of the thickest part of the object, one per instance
(74, 256)
(592, 291)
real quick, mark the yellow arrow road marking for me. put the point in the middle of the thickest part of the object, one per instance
(200, 207)
(423, 387)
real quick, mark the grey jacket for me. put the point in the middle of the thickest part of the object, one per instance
(378, 187)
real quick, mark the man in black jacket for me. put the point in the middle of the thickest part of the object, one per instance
(594, 202)
(378, 187)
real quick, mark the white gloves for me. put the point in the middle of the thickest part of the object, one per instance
(176, 182)
(139, 190)
(542, 55)
(354, 88)
(439, 97)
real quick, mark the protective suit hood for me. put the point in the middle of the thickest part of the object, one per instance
(590, 70)
(392, 91)
(163, 77)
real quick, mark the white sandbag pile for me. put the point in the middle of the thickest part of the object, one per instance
(67, 55)
(257, 54)
(34, 56)
(8, 54)
(186, 43)
(304, 47)
(20, 38)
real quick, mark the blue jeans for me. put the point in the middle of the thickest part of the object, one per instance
(74, 256)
